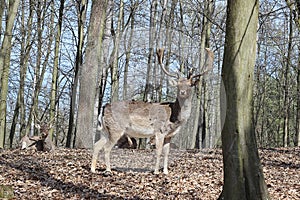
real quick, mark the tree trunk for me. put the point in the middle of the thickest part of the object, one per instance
(42, 59)
(295, 7)
(54, 85)
(2, 7)
(89, 73)
(297, 136)
(243, 176)
(25, 52)
(200, 121)
(128, 51)
(5, 53)
(148, 86)
(115, 82)
(286, 86)
(81, 10)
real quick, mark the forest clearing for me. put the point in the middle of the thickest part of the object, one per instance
(65, 174)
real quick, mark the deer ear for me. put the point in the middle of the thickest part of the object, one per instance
(37, 126)
(194, 82)
(172, 82)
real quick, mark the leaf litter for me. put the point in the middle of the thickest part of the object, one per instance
(193, 174)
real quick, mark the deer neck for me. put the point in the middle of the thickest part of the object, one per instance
(182, 108)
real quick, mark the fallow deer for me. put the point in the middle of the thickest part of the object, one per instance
(145, 119)
(42, 142)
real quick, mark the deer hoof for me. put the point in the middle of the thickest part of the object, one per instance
(107, 173)
(93, 170)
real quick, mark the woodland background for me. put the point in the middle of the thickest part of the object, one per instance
(43, 49)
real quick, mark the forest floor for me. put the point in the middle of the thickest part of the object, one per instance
(65, 174)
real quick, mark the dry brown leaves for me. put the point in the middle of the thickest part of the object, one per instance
(66, 174)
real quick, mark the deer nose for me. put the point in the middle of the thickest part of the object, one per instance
(182, 92)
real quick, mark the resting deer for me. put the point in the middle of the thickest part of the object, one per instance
(144, 120)
(42, 142)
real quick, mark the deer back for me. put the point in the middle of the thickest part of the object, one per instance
(138, 119)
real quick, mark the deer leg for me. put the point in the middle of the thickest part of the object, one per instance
(97, 148)
(107, 150)
(166, 150)
(159, 145)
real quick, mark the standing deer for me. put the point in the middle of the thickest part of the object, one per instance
(145, 119)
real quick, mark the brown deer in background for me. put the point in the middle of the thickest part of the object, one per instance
(145, 119)
(42, 142)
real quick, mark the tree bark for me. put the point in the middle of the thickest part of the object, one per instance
(286, 139)
(81, 9)
(200, 121)
(128, 49)
(5, 53)
(243, 176)
(295, 9)
(115, 82)
(25, 49)
(88, 79)
(42, 59)
(153, 14)
(54, 85)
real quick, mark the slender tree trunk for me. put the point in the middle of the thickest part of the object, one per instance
(286, 86)
(89, 73)
(297, 136)
(54, 85)
(115, 55)
(148, 93)
(169, 35)
(200, 121)
(153, 21)
(128, 51)
(2, 7)
(5, 53)
(243, 175)
(42, 59)
(81, 10)
(25, 49)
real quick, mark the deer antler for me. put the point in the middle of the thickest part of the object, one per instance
(209, 58)
(160, 55)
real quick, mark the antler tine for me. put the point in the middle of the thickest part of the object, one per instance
(209, 59)
(160, 55)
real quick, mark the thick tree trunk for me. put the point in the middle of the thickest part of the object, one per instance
(88, 80)
(243, 176)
